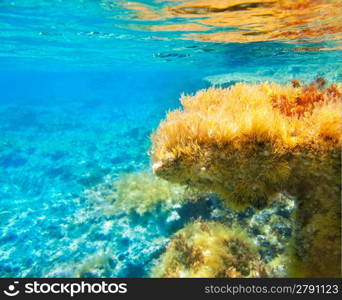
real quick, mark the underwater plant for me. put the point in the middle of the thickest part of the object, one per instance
(248, 142)
(97, 265)
(143, 192)
(209, 249)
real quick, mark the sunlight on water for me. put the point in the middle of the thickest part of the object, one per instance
(244, 21)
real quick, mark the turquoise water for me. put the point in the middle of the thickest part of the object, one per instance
(82, 88)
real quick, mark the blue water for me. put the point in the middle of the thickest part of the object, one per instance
(80, 94)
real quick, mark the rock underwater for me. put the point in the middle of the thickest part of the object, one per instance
(248, 142)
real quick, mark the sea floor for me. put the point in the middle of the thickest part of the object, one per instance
(56, 162)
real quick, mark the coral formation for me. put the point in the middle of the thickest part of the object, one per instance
(209, 249)
(249, 142)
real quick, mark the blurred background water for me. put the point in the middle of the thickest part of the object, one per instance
(83, 83)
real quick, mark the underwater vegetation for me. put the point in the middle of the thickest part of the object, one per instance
(310, 97)
(142, 192)
(270, 229)
(209, 249)
(126, 223)
(101, 263)
(248, 142)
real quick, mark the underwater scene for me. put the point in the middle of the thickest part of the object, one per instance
(170, 138)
